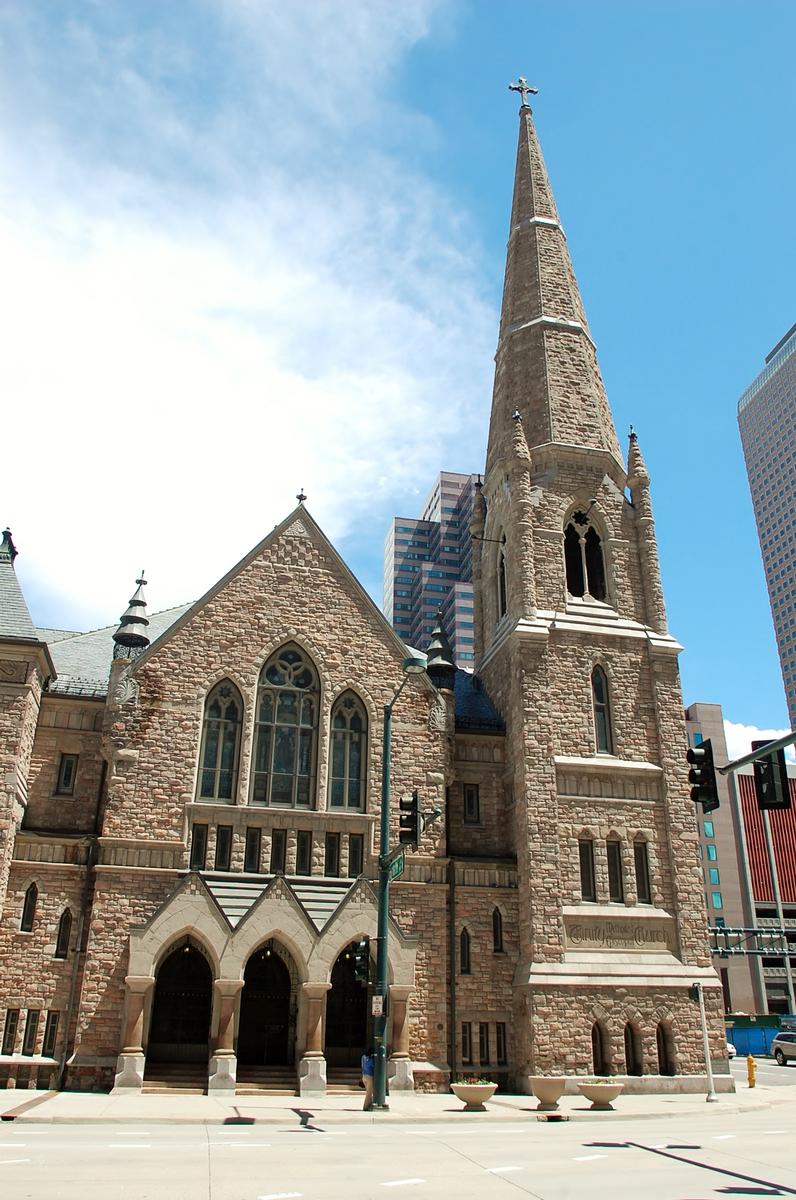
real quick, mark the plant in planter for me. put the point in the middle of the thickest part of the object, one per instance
(473, 1092)
(601, 1092)
(548, 1090)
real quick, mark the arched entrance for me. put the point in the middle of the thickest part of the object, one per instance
(179, 1031)
(348, 1028)
(265, 1024)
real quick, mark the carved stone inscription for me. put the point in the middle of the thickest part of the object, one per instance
(601, 934)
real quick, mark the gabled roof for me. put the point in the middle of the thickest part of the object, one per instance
(300, 514)
(83, 660)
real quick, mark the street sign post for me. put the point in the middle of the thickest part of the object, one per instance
(396, 867)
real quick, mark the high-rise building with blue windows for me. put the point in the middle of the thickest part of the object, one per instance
(428, 568)
(767, 420)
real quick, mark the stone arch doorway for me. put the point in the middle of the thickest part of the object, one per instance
(348, 1025)
(266, 1030)
(179, 1031)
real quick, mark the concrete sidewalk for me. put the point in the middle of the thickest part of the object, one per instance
(406, 1107)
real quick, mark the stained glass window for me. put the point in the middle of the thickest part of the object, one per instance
(349, 747)
(218, 773)
(286, 726)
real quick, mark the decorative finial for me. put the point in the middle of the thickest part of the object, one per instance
(301, 497)
(479, 483)
(525, 90)
(632, 433)
(516, 415)
(8, 550)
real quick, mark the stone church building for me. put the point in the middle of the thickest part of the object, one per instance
(190, 803)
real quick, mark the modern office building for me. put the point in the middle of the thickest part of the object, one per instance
(428, 568)
(738, 886)
(767, 420)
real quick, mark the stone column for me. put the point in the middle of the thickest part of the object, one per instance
(312, 1068)
(223, 1065)
(400, 1064)
(131, 1061)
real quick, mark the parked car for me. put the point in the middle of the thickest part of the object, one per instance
(783, 1047)
(731, 1051)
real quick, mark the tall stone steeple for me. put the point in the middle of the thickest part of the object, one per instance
(546, 364)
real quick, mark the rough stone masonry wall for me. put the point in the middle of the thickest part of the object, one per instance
(31, 978)
(20, 696)
(65, 727)
(291, 591)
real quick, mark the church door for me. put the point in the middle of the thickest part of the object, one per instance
(264, 1011)
(180, 1027)
(347, 1029)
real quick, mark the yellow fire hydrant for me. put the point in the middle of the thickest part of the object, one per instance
(751, 1071)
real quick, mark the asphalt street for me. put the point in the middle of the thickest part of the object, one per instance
(715, 1155)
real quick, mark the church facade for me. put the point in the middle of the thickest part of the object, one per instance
(190, 803)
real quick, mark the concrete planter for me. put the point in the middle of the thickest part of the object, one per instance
(548, 1090)
(600, 1094)
(474, 1095)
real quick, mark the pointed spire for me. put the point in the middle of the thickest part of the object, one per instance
(440, 668)
(131, 637)
(15, 619)
(546, 366)
(636, 467)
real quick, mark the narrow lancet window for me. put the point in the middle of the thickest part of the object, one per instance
(502, 586)
(64, 933)
(218, 772)
(349, 746)
(29, 908)
(286, 727)
(603, 733)
(497, 931)
(464, 953)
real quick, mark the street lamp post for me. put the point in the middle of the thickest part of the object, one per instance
(411, 666)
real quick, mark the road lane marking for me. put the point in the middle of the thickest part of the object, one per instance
(242, 1145)
(5, 1162)
(13, 1145)
(722, 1137)
(588, 1157)
(280, 1195)
(400, 1182)
(501, 1170)
(129, 1146)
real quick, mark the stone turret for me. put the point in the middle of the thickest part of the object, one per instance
(131, 638)
(638, 481)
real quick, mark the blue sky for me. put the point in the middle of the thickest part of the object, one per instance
(252, 246)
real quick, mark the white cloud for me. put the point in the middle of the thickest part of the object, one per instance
(209, 301)
(740, 737)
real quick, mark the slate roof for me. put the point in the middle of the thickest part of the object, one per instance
(319, 899)
(15, 619)
(83, 660)
(475, 712)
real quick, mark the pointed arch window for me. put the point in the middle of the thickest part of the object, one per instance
(220, 753)
(286, 730)
(664, 1046)
(502, 586)
(64, 934)
(349, 725)
(464, 953)
(583, 559)
(603, 733)
(497, 931)
(632, 1051)
(29, 908)
(599, 1056)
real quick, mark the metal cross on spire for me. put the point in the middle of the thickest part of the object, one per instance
(525, 90)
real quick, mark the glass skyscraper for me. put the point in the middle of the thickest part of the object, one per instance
(767, 420)
(428, 567)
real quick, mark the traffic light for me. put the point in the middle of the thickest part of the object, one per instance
(410, 822)
(702, 776)
(362, 960)
(771, 779)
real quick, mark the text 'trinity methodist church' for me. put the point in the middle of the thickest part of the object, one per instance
(190, 802)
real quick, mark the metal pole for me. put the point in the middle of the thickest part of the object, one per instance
(711, 1096)
(772, 866)
(380, 1022)
(747, 896)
